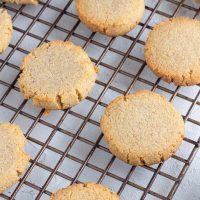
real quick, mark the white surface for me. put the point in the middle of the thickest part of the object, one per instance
(189, 188)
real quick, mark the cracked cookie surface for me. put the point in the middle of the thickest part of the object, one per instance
(86, 191)
(142, 128)
(110, 17)
(34, 2)
(5, 29)
(57, 75)
(172, 51)
(13, 159)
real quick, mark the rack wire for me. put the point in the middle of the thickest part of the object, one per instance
(94, 103)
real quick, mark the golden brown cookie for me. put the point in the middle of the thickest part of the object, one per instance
(110, 17)
(57, 75)
(142, 128)
(13, 159)
(172, 51)
(34, 2)
(5, 29)
(86, 191)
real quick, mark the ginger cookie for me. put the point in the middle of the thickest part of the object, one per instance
(86, 191)
(110, 17)
(172, 51)
(5, 29)
(142, 128)
(13, 159)
(34, 2)
(57, 75)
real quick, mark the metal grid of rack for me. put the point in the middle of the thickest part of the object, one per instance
(95, 103)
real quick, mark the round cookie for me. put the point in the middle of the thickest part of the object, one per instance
(172, 51)
(86, 191)
(110, 17)
(5, 29)
(142, 128)
(13, 159)
(57, 75)
(34, 2)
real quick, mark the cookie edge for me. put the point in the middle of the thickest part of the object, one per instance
(9, 28)
(90, 184)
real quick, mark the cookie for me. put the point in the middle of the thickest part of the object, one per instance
(5, 29)
(13, 159)
(110, 17)
(172, 51)
(34, 2)
(86, 191)
(57, 75)
(142, 128)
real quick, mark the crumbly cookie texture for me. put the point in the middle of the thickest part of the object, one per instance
(5, 29)
(172, 51)
(13, 159)
(142, 128)
(110, 17)
(57, 75)
(34, 2)
(86, 191)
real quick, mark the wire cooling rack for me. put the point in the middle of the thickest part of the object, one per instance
(68, 146)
